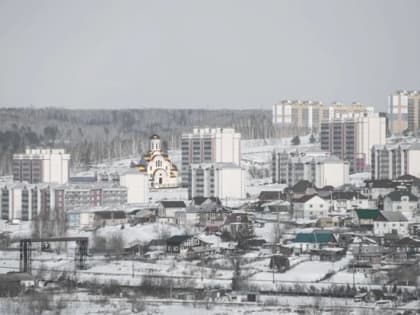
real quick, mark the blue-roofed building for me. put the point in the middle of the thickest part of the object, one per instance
(317, 239)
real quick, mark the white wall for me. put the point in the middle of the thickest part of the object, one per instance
(55, 168)
(314, 208)
(334, 173)
(229, 182)
(137, 186)
(413, 167)
(371, 130)
(380, 228)
(227, 146)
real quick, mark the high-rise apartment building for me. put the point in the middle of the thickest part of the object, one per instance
(404, 111)
(310, 114)
(222, 180)
(351, 139)
(319, 168)
(41, 166)
(209, 145)
(394, 160)
(24, 201)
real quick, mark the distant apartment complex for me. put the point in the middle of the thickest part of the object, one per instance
(70, 197)
(24, 201)
(394, 160)
(209, 145)
(221, 180)
(310, 114)
(319, 168)
(404, 111)
(41, 166)
(351, 139)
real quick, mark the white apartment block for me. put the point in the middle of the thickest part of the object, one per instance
(41, 166)
(332, 172)
(209, 145)
(404, 111)
(137, 185)
(317, 167)
(23, 202)
(394, 160)
(310, 114)
(222, 180)
(352, 139)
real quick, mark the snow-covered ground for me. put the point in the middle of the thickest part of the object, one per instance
(85, 303)
(307, 271)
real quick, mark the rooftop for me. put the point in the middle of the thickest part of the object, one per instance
(320, 236)
(172, 204)
(391, 216)
(367, 214)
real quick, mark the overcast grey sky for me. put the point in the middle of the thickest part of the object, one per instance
(201, 54)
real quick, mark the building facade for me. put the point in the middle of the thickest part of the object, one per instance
(310, 207)
(390, 222)
(319, 168)
(404, 111)
(209, 145)
(41, 166)
(137, 185)
(221, 180)
(351, 139)
(310, 114)
(70, 197)
(394, 160)
(24, 202)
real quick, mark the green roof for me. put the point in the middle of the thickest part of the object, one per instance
(315, 237)
(367, 213)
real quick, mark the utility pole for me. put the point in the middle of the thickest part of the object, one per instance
(132, 268)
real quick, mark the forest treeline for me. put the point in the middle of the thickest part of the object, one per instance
(98, 135)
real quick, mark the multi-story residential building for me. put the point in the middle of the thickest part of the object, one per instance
(41, 166)
(221, 180)
(209, 145)
(404, 111)
(394, 160)
(137, 185)
(24, 202)
(319, 168)
(71, 197)
(351, 139)
(413, 108)
(310, 114)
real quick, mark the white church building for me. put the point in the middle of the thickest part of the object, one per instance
(162, 173)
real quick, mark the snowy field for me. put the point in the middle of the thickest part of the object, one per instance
(84, 303)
